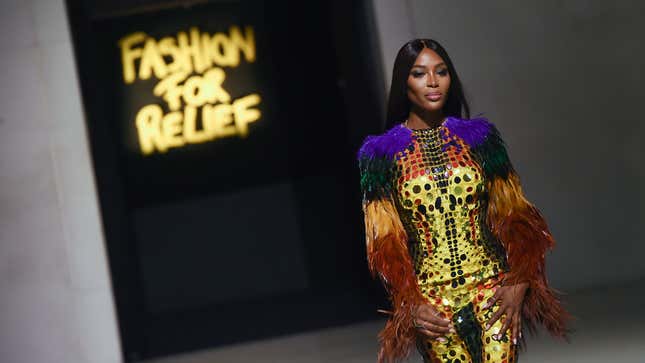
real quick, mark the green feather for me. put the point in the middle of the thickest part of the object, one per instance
(376, 177)
(492, 156)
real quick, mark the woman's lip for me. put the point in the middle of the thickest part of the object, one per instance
(434, 96)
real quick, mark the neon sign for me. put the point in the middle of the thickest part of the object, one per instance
(190, 70)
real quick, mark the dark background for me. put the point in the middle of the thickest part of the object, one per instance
(237, 239)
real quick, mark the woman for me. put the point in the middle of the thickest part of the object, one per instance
(459, 248)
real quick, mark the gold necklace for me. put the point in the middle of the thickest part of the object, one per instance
(427, 128)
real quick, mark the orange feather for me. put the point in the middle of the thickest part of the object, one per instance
(388, 257)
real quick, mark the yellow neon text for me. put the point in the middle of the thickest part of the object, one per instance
(189, 69)
(159, 132)
(196, 90)
(193, 52)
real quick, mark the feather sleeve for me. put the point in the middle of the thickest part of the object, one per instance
(387, 251)
(523, 231)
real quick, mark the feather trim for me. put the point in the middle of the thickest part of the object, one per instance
(388, 257)
(386, 145)
(375, 161)
(485, 142)
(492, 155)
(376, 177)
(473, 131)
(516, 223)
(524, 233)
(387, 242)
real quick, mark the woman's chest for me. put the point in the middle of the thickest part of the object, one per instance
(437, 174)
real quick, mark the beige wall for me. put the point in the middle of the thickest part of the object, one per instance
(56, 304)
(563, 82)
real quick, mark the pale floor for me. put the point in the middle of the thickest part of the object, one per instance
(610, 327)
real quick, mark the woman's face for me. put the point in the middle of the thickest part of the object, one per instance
(428, 82)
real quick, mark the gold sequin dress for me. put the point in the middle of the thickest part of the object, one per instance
(440, 191)
(447, 222)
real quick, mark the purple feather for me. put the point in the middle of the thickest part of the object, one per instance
(473, 131)
(388, 144)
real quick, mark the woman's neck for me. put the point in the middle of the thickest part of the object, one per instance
(424, 120)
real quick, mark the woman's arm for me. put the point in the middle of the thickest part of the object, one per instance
(387, 252)
(524, 233)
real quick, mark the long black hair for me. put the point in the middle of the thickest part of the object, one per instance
(398, 107)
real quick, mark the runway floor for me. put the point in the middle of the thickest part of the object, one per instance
(609, 327)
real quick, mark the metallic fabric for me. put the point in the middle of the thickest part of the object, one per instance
(441, 195)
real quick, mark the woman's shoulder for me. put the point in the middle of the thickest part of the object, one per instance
(475, 131)
(485, 142)
(386, 144)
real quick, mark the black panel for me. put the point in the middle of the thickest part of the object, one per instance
(241, 237)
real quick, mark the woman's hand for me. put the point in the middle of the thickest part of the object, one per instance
(431, 322)
(510, 299)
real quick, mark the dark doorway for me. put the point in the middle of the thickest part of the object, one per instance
(237, 236)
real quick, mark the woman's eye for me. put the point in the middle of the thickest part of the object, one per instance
(442, 72)
(417, 74)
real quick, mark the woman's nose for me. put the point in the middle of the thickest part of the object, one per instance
(432, 81)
